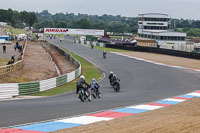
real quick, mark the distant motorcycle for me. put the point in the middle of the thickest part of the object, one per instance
(84, 94)
(92, 46)
(104, 54)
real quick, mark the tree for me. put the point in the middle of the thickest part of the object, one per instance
(61, 25)
(83, 23)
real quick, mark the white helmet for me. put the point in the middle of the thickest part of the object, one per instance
(93, 79)
(111, 72)
(82, 77)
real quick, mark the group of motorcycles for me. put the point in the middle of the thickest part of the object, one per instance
(85, 95)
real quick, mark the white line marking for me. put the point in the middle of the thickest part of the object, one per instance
(85, 119)
(175, 100)
(148, 107)
(194, 94)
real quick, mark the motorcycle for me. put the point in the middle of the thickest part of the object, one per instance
(104, 55)
(84, 94)
(95, 93)
(115, 84)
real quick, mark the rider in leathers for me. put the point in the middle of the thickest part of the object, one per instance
(80, 84)
(94, 85)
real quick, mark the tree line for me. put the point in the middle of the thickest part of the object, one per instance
(109, 23)
(18, 19)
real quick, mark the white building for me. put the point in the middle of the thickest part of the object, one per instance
(3, 24)
(157, 26)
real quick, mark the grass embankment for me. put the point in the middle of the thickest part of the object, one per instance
(3, 61)
(88, 70)
(15, 31)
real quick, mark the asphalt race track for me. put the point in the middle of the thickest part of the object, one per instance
(141, 82)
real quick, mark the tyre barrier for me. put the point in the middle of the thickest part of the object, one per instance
(17, 89)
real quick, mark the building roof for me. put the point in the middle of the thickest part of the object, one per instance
(154, 15)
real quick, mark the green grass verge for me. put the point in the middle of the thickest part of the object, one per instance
(88, 70)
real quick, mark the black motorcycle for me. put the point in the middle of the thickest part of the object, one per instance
(115, 84)
(84, 94)
(104, 55)
(95, 93)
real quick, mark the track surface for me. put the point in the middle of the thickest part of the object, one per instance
(140, 82)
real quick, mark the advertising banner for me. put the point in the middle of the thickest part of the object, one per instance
(66, 31)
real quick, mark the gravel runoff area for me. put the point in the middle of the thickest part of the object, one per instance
(166, 59)
(181, 118)
(37, 65)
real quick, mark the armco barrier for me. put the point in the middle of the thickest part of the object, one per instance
(157, 50)
(47, 84)
(10, 90)
(29, 88)
(61, 80)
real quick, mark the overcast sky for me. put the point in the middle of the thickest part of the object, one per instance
(187, 9)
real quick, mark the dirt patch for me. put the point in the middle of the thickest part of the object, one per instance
(37, 65)
(63, 64)
(166, 59)
(180, 118)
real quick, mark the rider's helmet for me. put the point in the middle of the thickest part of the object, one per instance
(111, 72)
(94, 80)
(82, 77)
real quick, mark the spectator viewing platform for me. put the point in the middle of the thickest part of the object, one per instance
(158, 27)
